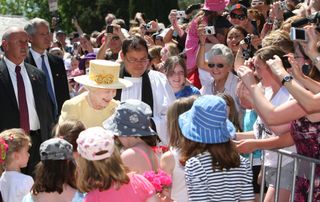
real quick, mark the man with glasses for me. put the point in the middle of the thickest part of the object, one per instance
(149, 86)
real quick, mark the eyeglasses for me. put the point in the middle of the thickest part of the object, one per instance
(238, 16)
(212, 65)
(143, 61)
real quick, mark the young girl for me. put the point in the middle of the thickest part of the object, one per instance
(214, 170)
(176, 72)
(14, 146)
(70, 130)
(55, 174)
(102, 174)
(169, 161)
(131, 125)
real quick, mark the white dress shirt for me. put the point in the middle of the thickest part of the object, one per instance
(163, 97)
(33, 116)
(38, 60)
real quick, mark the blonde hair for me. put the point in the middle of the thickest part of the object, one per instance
(16, 139)
(178, 107)
(101, 174)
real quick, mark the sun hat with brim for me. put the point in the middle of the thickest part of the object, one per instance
(206, 121)
(56, 149)
(95, 144)
(131, 118)
(103, 74)
(215, 5)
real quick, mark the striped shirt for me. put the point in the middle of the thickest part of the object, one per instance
(204, 184)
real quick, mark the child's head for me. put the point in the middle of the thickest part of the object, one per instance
(70, 130)
(178, 107)
(231, 109)
(14, 148)
(207, 128)
(99, 163)
(56, 167)
(132, 119)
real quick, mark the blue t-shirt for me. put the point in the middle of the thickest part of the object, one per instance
(187, 91)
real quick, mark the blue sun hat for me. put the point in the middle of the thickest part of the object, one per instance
(207, 121)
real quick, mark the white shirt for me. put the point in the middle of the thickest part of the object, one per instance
(163, 97)
(38, 60)
(261, 130)
(33, 116)
(14, 186)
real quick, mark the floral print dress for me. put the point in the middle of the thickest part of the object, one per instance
(306, 136)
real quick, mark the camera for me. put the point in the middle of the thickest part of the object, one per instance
(247, 39)
(314, 18)
(110, 29)
(285, 62)
(297, 34)
(181, 14)
(147, 26)
(283, 5)
(209, 30)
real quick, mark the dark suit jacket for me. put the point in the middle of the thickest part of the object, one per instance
(59, 76)
(9, 110)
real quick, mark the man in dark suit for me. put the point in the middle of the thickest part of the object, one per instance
(52, 66)
(24, 100)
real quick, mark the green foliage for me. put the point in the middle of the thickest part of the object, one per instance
(90, 13)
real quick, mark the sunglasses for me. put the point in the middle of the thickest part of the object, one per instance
(238, 16)
(212, 65)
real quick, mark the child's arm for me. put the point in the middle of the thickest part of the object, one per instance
(250, 145)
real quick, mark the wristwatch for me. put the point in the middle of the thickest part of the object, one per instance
(286, 78)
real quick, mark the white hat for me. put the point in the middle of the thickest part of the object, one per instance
(103, 74)
(95, 143)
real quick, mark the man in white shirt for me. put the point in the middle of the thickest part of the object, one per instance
(149, 86)
(24, 100)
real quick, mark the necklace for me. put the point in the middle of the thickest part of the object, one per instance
(216, 90)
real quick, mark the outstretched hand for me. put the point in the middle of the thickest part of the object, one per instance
(246, 146)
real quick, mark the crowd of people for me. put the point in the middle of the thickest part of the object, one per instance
(149, 112)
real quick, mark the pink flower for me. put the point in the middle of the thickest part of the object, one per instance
(158, 179)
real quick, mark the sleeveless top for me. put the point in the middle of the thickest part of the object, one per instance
(179, 189)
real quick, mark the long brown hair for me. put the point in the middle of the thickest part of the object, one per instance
(101, 174)
(224, 155)
(51, 175)
(178, 107)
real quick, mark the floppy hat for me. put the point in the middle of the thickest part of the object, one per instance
(215, 5)
(55, 149)
(95, 143)
(103, 74)
(132, 118)
(206, 121)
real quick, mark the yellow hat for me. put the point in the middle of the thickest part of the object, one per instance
(103, 74)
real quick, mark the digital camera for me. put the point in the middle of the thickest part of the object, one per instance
(209, 30)
(181, 14)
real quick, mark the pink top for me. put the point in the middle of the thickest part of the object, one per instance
(192, 43)
(139, 189)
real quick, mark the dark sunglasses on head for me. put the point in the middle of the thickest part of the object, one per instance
(212, 65)
(238, 16)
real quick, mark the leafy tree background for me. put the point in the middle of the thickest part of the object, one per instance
(91, 13)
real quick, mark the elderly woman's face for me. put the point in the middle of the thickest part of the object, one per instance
(219, 67)
(100, 97)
